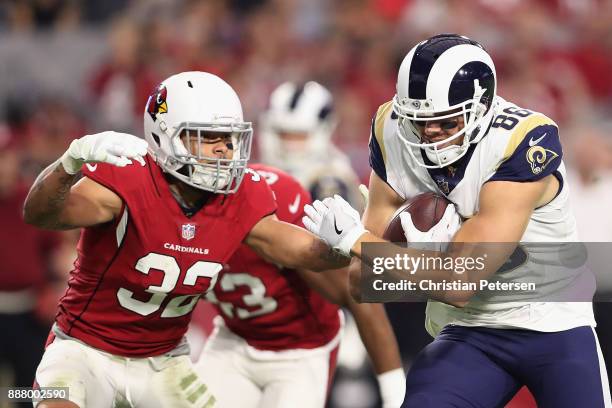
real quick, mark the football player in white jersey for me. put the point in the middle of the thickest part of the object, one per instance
(447, 131)
(295, 136)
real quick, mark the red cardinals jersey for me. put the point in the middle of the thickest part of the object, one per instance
(137, 279)
(270, 307)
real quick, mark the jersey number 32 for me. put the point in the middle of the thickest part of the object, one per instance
(178, 306)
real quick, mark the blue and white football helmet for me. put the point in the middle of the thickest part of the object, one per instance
(442, 77)
(302, 109)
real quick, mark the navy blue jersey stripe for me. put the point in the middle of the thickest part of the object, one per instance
(557, 174)
(447, 178)
(376, 157)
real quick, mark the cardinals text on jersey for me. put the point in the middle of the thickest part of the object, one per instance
(136, 280)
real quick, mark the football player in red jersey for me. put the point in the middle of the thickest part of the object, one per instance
(275, 342)
(157, 229)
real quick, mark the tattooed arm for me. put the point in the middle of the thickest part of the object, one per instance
(58, 200)
(291, 246)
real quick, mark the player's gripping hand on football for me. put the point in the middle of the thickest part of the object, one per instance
(335, 222)
(440, 233)
(59, 200)
(110, 147)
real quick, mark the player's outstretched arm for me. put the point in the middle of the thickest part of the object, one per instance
(291, 246)
(381, 203)
(57, 201)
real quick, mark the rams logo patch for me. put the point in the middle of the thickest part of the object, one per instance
(539, 157)
(157, 102)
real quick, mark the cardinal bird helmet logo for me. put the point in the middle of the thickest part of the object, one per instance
(157, 102)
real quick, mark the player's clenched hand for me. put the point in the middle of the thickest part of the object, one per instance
(443, 231)
(335, 222)
(108, 147)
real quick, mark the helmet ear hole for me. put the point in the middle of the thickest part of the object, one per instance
(325, 112)
(156, 139)
(185, 170)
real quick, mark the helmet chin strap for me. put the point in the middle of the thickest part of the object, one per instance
(208, 177)
(441, 158)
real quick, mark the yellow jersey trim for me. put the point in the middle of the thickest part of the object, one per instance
(519, 133)
(379, 126)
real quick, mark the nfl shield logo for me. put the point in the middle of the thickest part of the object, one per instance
(188, 231)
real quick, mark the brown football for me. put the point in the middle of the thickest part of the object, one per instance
(425, 209)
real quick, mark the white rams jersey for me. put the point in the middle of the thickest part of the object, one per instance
(522, 146)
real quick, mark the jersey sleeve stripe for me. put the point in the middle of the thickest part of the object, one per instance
(518, 134)
(379, 124)
(121, 227)
(378, 155)
(377, 161)
(537, 155)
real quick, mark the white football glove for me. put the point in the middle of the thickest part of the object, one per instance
(335, 222)
(440, 233)
(108, 147)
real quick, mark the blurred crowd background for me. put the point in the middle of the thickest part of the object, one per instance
(74, 67)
